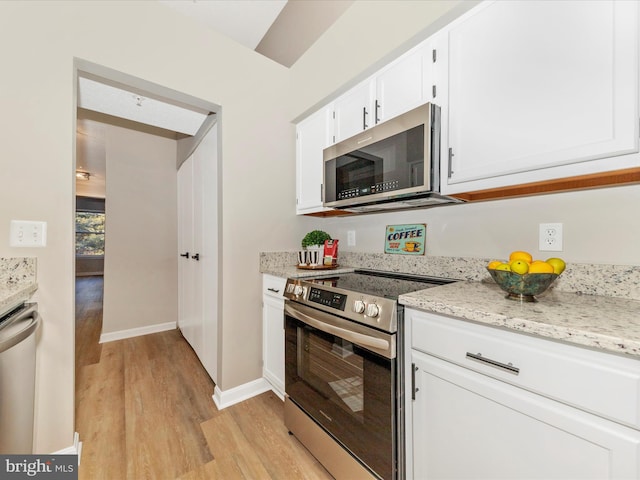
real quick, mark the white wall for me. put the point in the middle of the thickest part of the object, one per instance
(141, 242)
(147, 40)
(600, 226)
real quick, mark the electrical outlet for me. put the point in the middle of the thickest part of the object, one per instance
(351, 238)
(550, 237)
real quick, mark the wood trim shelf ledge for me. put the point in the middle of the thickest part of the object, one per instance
(582, 182)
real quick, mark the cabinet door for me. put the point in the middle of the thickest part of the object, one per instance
(536, 85)
(312, 136)
(273, 342)
(399, 87)
(354, 111)
(468, 425)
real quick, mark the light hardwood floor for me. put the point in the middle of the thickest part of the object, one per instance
(144, 411)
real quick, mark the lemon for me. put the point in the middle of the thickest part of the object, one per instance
(503, 266)
(519, 266)
(557, 264)
(493, 264)
(520, 255)
(540, 267)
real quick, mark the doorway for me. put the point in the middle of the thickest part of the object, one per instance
(142, 218)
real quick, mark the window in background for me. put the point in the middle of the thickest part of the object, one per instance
(90, 233)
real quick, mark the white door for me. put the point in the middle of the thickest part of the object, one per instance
(198, 235)
(186, 267)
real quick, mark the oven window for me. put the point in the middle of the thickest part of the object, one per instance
(346, 389)
(332, 368)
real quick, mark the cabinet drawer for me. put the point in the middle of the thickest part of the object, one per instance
(598, 382)
(273, 286)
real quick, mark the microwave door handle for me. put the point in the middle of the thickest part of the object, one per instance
(353, 337)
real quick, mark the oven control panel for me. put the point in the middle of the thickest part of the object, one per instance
(369, 310)
(329, 299)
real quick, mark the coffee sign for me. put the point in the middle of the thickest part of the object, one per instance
(405, 239)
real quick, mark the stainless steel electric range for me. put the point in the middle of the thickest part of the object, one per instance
(344, 373)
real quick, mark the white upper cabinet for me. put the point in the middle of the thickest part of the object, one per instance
(313, 135)
(395, 89)
(353, 111)
(538, 85)
(399, 87)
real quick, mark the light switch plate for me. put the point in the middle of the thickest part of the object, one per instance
(24, 233)
(351, 238)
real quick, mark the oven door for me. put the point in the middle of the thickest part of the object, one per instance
(343, 375)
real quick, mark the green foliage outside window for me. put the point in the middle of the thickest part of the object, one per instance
(89, 233)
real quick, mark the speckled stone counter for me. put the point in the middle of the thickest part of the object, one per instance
(283, 264)
(17, 282)
(596, 306)
(607, 280)
(607, 323)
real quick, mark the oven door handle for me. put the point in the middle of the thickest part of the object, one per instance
(380, 345)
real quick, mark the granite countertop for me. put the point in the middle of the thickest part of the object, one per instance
(611, 324)
(17, 282)
(12, 296)
(295, 272)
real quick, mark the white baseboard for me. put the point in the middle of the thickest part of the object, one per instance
(136, 332)
(238, 394)
(75, 449)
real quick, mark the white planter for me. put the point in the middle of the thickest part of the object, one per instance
(316, 253)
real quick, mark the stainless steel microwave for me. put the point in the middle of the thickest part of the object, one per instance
(395, 164)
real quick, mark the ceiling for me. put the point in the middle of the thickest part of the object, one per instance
(278, 29)
(246, 21)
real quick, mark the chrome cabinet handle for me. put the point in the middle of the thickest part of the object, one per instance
(364, 118)
(186, 255)
(196, 257)
(508, 367)
(377, 118)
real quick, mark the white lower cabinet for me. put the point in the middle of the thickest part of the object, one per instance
(273, 332)
(471, 424)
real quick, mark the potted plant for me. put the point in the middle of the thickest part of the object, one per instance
(315, 239)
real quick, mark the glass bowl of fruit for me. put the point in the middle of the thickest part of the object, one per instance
(522, 277)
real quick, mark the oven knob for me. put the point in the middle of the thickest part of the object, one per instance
(373, 310)
(297, 290)
(358, 306)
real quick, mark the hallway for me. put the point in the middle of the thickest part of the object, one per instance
(144, 411)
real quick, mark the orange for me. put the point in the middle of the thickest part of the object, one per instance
(520, 255)
(540, 267)
(493, 264)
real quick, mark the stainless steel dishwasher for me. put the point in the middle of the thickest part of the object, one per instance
(17, 378)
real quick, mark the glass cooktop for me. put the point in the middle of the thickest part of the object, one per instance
(378, 283)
